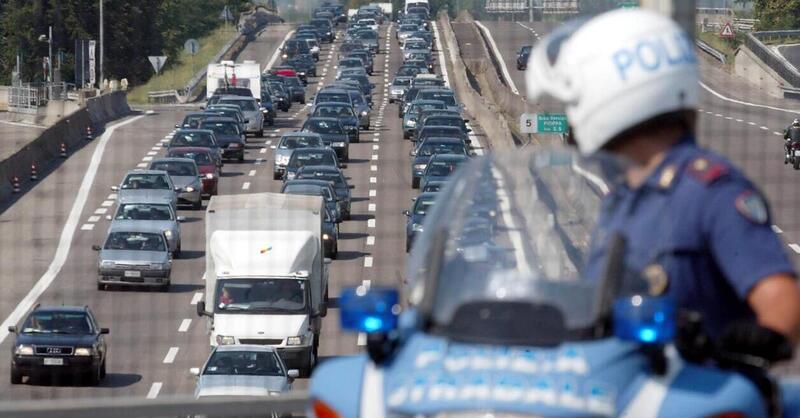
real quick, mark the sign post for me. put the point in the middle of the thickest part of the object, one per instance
(543, 123)
(192, 46)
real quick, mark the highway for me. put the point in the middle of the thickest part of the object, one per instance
(791, 53)
(46, 238)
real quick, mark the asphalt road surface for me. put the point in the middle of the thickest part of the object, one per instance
(791, 53)
(156, 337)
(737, 119)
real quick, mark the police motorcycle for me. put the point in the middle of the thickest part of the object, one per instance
(517, 332)
(791, 147)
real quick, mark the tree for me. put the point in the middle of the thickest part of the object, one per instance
(778, 14)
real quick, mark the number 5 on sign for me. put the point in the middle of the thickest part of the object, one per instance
(544, 123)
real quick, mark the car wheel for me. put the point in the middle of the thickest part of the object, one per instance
(93, 378)
(415, 183)
(177, 252)
(164, 287)
(198, 205)
(277, 176)
(216, 191)
(312, 361)
(16, 376)
(101, 287)
(103, 370)
(408, 245)
(303, 101)
(406, 135)
(241, 158)
(260, 134)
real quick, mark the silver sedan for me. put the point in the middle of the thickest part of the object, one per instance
(243, 370)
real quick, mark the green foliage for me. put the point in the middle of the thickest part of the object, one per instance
(778, 14)
(133, 30)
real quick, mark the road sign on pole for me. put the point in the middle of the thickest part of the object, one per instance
(192, 46)
(727, 31)
(158, 62)
(543, 123)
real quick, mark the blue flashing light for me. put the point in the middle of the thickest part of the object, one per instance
(373, 310)
(645, 320)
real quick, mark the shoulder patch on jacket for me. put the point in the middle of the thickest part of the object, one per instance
(706, 171)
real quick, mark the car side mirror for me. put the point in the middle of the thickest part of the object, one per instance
(472, 154)
(194, 371)
(468, 141)
(114, 188)
(201, 309)
(247, 121)
(327, 260)
(96, 247)
(177, 189)
(105, 330)
(341, 165)
(293, 373)
(469, 130)
(412, 153)
(407, 213)
(180, 218)
(12, 329)
(177, 125)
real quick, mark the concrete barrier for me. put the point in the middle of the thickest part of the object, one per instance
(488, 116)
(45, 150)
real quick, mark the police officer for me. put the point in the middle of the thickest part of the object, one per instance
(791, 135)
(695, 227)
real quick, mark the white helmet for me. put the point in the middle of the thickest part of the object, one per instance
(614, 72)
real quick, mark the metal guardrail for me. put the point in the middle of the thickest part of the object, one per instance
(769, 57)
(293, 402)
(711, 50)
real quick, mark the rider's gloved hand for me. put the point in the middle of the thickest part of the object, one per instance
(750, 338)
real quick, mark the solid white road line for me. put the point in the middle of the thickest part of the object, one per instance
(728, 99)
(185, 325)
(154, 389)
(498, 57)
(196, 298)
(170, 357)
(65, 241)
(443, 63)
(795, 247)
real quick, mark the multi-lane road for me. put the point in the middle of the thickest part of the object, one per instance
(46, 237)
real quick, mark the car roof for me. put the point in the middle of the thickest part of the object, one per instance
(448, 157)
(60, 308)
(300, 133)
(221, 119)
(173, 159)
(144, 171)
(246, 347)
(322, 118)
(194, 130)
(332, 104)
(327, 168)
(309, 182)
(314, 149)
(144, 227)
(190, 149)
(442, 139)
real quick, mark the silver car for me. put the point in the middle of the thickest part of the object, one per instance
(185, 176)
(243, 370)
(135, 255)
(251, 110)
(287, 144)
(155, 215)
(147, 185)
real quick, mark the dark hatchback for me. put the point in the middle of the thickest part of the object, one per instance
(229, 136)
(59, 340)
(522, 57)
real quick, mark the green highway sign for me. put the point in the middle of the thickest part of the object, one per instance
(543, 123)
(628, 4)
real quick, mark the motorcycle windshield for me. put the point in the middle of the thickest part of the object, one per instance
(483, 261)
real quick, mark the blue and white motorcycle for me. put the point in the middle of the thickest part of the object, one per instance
(501, 324)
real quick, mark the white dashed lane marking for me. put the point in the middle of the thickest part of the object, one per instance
(196, 298)
(367, 261)
(371, 207)
(370, 240)
(185, 325)
(795, 248)
(101, 211)
(371, 223)
(87, 227)
(170, 357)
(246, 185)
(154, 389)
(107, 203)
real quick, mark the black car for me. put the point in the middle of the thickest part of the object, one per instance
(344, 112)
(296, 88)
(324, 29)
(330, 235)
(59, 340)
(421, 207)
(522, 57)
(314, 187)
(228, 134)
(279, 95)
(332, 133)
(309, 156)
(440, 131)
(333, 175)
(432, 146)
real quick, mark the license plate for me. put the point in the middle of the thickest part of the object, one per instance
(50, 361)
(797, 153)
(133, 273)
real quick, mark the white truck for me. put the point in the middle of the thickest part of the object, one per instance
(385, 7)
(266, 277)
(416, 3)
(245, 74)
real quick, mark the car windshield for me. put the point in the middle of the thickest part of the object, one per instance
(367, 34)
(294, 81)
(323, 175)
(175, 168)
(445, 131)
(222, 128)
(322, 126)
(192, 121)
(441, 168)
(525, 50)
(423, 206)
(300, 159)
(432, 187)
(294, 142)
(228, 113)
(144, 212)
(490, 253)
(418, 107)
(309, 190)
(447, 98)
(332, 97)
(142, 181)
(192, 139)
(135, 241)
(352, 62)
(428, 149)
(334, 111)
(356, 98)
(261, 295)
(404, 81)
(243, 363)
(444, 122)
(200, 158)
(48, 322)
(245, 105)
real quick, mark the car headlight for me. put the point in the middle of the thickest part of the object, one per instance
(327, 33)
(364, 113)
(298, 340)
(210, 176)
(189, 189)
(420, 167)
(24, 350)
(281, 160)
(84, 351)
(411, 122)
(326, 236)
(107, 264)
(302, 73)
(274, 393)
(234, 145)
(337, 144)
(168, 234)
(416, 227)
(265, 111)
(284, 56)
(290, 176)
(225, 340)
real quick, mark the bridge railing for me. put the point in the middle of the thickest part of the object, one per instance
(754, 42)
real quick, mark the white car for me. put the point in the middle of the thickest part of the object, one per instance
(371, 23)
(243, 370)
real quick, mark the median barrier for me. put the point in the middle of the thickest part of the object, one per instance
(70, 131)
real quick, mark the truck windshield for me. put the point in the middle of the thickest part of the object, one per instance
(261, 295)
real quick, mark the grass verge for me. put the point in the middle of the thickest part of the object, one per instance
(176, 75)
(724, 45)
